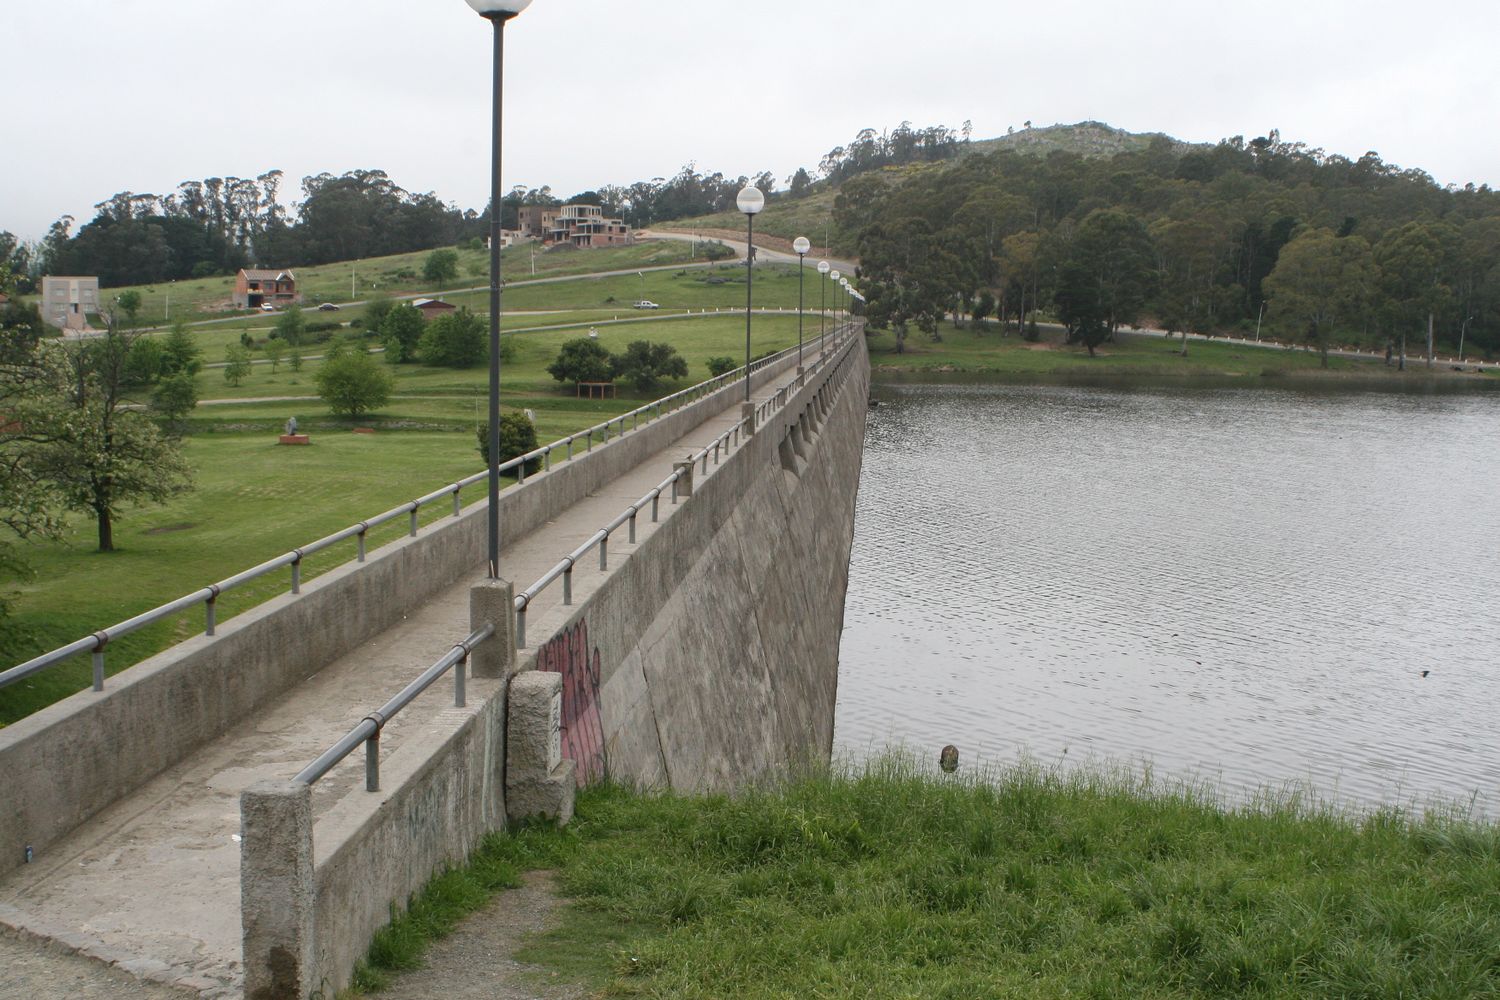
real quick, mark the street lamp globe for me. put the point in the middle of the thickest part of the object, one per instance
(499, 8)
(801, 245)
(824, 267)
(750, 200)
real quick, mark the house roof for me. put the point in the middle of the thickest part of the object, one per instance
(429, 303)
(259, 274)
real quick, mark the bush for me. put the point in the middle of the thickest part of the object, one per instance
(401, 330)
(646, 364)
(354, 383)
(721, 366)
(715, 250)
(457, 340)
(517, 437)
(583, 360)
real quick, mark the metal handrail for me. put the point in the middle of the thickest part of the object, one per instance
(369, 729)
(563, 569)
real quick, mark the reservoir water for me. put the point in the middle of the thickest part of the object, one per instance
(1236, 586)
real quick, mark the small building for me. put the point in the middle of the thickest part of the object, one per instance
(255, 287)
(68, 301)
(432, 308)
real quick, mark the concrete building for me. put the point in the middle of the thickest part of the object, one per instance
(581, 226)
(67, 302)
(254, 288)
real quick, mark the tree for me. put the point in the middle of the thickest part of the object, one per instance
(517, 438)
(441, 266)
(1319, 282)
(354, 383)
(583, 360)
(174, 398)
(721, 365)
(646, 364)
(457, 340)
(1414, 269)
(1104, 276)
(273, 350)
(236, 364)
(294, 360)
(180, 353)
(290, 325)
(376, 311)
(401, 330)
(102, 453)
(30, 506)
(129, 305)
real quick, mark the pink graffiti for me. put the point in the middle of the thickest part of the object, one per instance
(582, 729)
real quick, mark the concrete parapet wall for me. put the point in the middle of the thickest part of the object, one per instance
(706, 659)
(68, 761)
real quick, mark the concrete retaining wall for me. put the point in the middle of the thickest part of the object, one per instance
(68, 761)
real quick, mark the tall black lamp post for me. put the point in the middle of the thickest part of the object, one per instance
(750, 201)
(801, 244)
(823, 268)
(498, 12)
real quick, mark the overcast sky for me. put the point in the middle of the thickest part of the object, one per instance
(139, 95)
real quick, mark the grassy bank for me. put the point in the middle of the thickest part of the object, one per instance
(967, 350)
(891, 883)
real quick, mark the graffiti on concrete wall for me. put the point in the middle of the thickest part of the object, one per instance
(569, 654)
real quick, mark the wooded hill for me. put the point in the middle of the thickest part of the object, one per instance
(1194, 238)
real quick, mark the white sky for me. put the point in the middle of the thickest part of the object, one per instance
(141, 94)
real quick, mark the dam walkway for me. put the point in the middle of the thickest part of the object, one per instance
(150, 884)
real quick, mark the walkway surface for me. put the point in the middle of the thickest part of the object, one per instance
(151, 885)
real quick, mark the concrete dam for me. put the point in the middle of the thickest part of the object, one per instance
(200, 822)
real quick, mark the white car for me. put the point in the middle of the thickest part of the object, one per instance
(266, 307)
(646, 304)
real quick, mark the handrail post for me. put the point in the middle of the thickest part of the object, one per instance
(457, 503)
(568, 586)
(372, 762)
(99, 669)
(297, 575)
(604, 553)
(632, 527)
(208, 612)
(413, 532)
(521, 629)
(460, 694)
(655, 508)
(362, 533)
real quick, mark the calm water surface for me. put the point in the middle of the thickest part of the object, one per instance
(1238, 586)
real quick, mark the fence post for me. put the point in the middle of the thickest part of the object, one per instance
(493, 602)
(277, 891)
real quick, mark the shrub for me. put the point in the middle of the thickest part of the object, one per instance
(721, 366)
(457, 340)
(646, 364)
(583, 360)
(401, 328)
(517, 437)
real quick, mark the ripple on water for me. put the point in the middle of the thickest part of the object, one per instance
(1244, 584)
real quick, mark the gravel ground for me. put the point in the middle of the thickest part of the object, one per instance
(33, 971)
(475, 963)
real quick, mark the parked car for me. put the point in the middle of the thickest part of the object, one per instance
(328, 307)
(266, 307)
(646, 304)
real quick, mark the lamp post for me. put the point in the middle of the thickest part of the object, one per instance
(823, 268)
(834, 277)
(497, 12)
(750, 201)
(802, 246)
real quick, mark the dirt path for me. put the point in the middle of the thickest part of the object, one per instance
(475, 962)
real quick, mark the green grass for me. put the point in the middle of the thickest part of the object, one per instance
(401, 274)
(785, 217)
(967, 351)
(254, 500)
(885, 882)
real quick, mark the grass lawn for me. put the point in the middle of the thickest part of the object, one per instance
(401, 274)
(886, 882)
(254, 500)
(783, 216)
(966, 351)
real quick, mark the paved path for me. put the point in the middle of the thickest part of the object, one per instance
(152, 883)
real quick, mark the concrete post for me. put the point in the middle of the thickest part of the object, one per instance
(278, 893)
(684, 481)
(801, 375)
(538, 782)
(747, 414)
(494, 601)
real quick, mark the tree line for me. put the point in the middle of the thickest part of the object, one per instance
(1318, 247)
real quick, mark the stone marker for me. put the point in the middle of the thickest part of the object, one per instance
(538, 781)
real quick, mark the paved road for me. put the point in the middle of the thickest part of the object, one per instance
(1412, 360)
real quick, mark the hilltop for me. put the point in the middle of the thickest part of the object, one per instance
(1088, 138)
